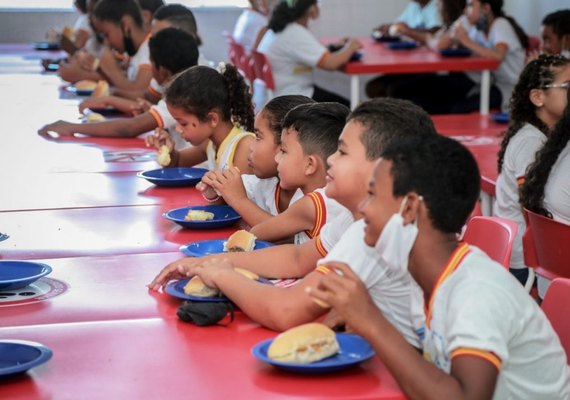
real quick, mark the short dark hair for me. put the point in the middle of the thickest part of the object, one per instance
(173, 49)
(318, 126)
(559, 21)
(276, 109)
(180, 17)
(115, 10)
(384, 119)
(441, 170)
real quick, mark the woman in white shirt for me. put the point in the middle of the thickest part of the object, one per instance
(251, 25)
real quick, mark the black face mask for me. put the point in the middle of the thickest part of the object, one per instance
(128, 44)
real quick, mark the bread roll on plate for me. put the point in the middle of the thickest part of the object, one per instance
(304, 344)
(101, 89)
(196, 286)
(85, 85)
(241, 240)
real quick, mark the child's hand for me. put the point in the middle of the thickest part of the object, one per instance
(399, 28)
(87, 61)
(70, 72)
(160, 137)
(61, 127)
(354, 44)
(141, 107)
(212, 269)
(346, 293)
(175, 270)
(460, 34)
(227, 183)
(93, 102)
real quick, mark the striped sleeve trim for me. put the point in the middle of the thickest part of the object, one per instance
(486, 355)
(520, 180)
(321, 269)
(320, 214)
(144, 66)
(323, 58)
(320, 247)
(156, 115)
(153, 91)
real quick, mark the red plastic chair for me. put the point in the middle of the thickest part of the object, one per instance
(533, 44)
(546, 245)
(494, 236)
(262, 71)
(238, 57)
(556, 306)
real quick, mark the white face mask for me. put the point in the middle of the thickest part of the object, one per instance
(396, 241)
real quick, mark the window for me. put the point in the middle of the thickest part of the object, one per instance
(67, 5)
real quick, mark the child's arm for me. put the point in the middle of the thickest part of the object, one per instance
(72, 72)
(117, 127)
(471, 377)
(335, 60)
(123, 105)
(189, 156)
(300, 216)
(283, 261)
(496, 53)
(116, 76)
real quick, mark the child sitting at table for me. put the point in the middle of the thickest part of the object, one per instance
(546, 188)
(213, 111)
(556, 33)
(251, 25)
(148, 9)
(485, 337)
(172, 51)
(536, 106)
(293, 51)
(419, 15)
(370, 127)
(259, 196)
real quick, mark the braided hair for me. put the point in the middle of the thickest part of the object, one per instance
(532, 191)
(535, 75)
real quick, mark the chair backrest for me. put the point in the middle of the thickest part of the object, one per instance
(556, 306)
(493, 235)
(262, 69)
(549, 241)
(533, 44)
(239, 57)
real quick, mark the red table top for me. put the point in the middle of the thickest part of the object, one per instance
(378, 58)
(153, 358)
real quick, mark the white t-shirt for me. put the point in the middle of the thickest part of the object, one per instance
(507, 74)
(557, 189)
(480, 309)
(520, 153)
(390, 292)
(325, 209)
(247, 27)
(140, 60)
(333, 230)
(292, 53)
(418, 17)
(223, 157)
(265, 192)
(82, 23)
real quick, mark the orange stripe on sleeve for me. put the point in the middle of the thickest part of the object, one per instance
(153, 91)
(322, 269)
(320, 248)
(320, 214)
(156, 117)
(323, 58)
(520, 180)
(144, 66)
(486, 355)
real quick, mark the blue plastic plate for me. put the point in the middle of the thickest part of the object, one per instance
(17, 356)
(402, 45)
(214, 246)
(79, 92)
(18, 274)
(458, 52)
(46, 46)
(501, 118)
(176, 289)
(356, 56)
(3, 236)
(379, 37)
(174, 176)
(353, 351)
(106, 110)
(223, 216)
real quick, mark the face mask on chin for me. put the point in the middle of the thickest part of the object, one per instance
(396, 241)
(482, 23)
(128, 44)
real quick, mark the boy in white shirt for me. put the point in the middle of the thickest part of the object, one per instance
(484, 336)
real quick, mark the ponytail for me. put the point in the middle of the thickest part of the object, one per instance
(532, 191)
(535, 75)
(497, 9)
(288, 11)
(200, 90)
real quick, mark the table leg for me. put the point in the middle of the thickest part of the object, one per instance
(354, 91)
(485, 92)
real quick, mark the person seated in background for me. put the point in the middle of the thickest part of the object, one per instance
(257, 197)
(82, 30)
(293, 51)
(171, 52)
(148, 8)
(484, 336)
(449, 11)
(546, 189)
(555, 33)
(418, 16)
(536, 106)
(252, 24)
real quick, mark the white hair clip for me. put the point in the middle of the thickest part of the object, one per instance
(222, 67)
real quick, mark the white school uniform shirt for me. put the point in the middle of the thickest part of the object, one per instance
(418, 17)
(506, 76)
(557, 189)
(223, 157)
(390, 292)
(247, 27)
(478, 308)
(520, 153)
(293, 53)
(325, 209)
(141, 60)
(82, 23)
(265, 193)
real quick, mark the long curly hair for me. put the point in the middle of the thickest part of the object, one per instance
(536, 74)
(532, 191)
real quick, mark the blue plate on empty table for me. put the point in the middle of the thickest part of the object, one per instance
(17, 356)
(18, 274)
(173, 176)
(223, 216)
(403, 45)
(353, 351)
(501, 118)
(458, 52)
(214, 246)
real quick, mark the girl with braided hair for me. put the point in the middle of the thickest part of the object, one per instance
(536, 106)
